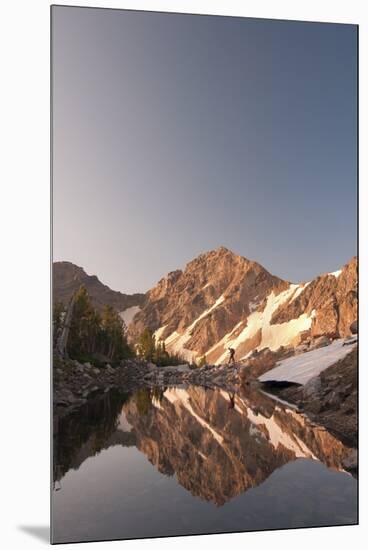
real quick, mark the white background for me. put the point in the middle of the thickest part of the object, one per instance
(24, 273)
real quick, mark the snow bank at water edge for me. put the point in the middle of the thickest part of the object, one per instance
(302, 368)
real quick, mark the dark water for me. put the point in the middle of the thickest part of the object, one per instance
(190, 460)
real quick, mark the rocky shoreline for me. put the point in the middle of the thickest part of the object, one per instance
(75, 382)
(329, 400)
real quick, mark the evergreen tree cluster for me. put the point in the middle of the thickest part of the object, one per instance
(156, 352)
(101, 336)
(93, 334)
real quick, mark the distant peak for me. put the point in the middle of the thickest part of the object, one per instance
(64, 264)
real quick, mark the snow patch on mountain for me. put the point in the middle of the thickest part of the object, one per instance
(299, 290)
(253, 305)
(336, 273)
(128, 314)
(156, 402)
(175, 343)
(158, 333)
(272, 336)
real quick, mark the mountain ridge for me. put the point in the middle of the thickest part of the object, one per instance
(68, 277)
(221, 299)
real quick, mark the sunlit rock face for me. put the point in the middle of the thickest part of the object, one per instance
(333, 298)
(219, 445)
(214, 292)
(223, 300)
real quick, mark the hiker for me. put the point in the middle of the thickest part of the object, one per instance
(231, 400)
(232, 356)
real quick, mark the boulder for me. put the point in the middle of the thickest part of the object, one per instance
(350, 462)
(320, 342)
(301, 349)
(325, 323)
(312, 388)
(348, 311)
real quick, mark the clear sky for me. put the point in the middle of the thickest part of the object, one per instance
(175, 134)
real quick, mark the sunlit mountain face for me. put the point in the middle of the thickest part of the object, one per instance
(221, 300)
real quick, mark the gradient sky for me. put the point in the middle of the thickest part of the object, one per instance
(175, 134)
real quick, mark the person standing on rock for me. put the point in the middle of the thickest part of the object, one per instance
(231, 357)
(231, 400)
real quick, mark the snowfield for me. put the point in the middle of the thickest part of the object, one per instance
(302, 368)
(272, 336)
(158, 333)
(128, 314)
(337, 273)
(175, 343)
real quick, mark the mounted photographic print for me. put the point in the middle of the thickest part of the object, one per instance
(205, 289)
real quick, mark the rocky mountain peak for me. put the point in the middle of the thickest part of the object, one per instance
(221, 299)
(217, 255)
(221, 265)
(207, 298)
(68, 269)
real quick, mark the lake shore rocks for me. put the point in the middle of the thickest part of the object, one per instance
(75, 382)
(331, 398)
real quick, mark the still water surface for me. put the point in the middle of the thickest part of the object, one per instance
(190, 460)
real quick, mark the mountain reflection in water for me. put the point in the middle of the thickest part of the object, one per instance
(214, 444)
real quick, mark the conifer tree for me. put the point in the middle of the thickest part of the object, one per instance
(147, 345)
